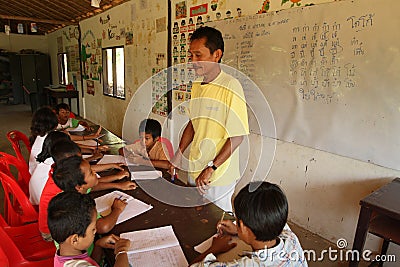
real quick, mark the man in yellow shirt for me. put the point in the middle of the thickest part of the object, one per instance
(218, 122)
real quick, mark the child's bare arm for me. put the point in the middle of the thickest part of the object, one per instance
(120, 251)
(104, 242)
(114, 177)
(128, 185)
(106, 223)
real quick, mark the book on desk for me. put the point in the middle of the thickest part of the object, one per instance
(155, 247)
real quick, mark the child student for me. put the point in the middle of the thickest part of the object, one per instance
(149, 150)
(63, 112)
(41, 172)
(261, 217)
(43, 121)
(60, 152)
(72, 223)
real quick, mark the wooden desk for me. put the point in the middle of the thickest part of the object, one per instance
(192, 225)
(384, 201)
(55, 94)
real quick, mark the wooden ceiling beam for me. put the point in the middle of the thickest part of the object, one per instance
(49, 21)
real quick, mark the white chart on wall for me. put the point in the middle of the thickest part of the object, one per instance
(330, 73)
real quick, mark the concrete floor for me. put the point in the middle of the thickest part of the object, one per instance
(18, 117)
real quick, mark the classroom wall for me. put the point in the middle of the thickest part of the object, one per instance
(138, 18)
(323, 189)
(16, 42)
(62, 41)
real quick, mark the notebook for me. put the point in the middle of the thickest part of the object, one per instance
(155, 247)
(133, 208)
(112, 159)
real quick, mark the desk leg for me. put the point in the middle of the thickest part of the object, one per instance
(361, 233)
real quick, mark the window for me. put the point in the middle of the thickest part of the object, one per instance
(62, 68)
(114, 72)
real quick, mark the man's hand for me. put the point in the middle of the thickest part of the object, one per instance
(203, 180)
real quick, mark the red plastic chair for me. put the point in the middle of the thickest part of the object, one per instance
(7, 161)
(17, 208)
(25, 246)
(3, 258)
(167, 144)
(16, 137)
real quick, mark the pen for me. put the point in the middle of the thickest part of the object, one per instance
(173, 176)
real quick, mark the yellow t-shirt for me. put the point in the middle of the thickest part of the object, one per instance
(217, 111)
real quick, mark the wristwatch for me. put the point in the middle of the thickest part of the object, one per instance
(211, 164)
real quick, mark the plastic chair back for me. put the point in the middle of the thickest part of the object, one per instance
(17, 208)
(168, 144)
(16, 137)
(25, 246)
(3, 258)
(23, 175)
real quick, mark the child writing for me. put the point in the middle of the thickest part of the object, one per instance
(62, 152)
(72, 223)
(261, 217)
(149, 150)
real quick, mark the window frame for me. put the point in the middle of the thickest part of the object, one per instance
(62, 68)
(114, 70)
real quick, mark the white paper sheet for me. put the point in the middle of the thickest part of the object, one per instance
(133, 208)
(145, 175)
(79, 128)
(112, 159)
(155, 247)
(229, 255)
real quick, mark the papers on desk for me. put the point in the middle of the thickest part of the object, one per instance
(155, 247)
(145, 175)
(112, 159)
(133, 208)
(79, 128)
(87, 142)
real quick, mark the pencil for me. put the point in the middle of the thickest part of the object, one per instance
(222, 217)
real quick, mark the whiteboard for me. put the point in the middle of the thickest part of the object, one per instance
(329, 72)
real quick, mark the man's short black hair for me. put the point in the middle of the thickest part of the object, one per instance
(214, 39)
(69, 213)
(64, 149)
(68, 174)
(264, 211)
(43, 121)
(150, 126)
(62, 106)
(51, 139)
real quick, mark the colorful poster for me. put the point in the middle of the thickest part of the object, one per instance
(180, 10)
(90, 87)
(33, 27)
(199, 10)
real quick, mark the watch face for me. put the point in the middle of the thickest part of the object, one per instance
(210, 164)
